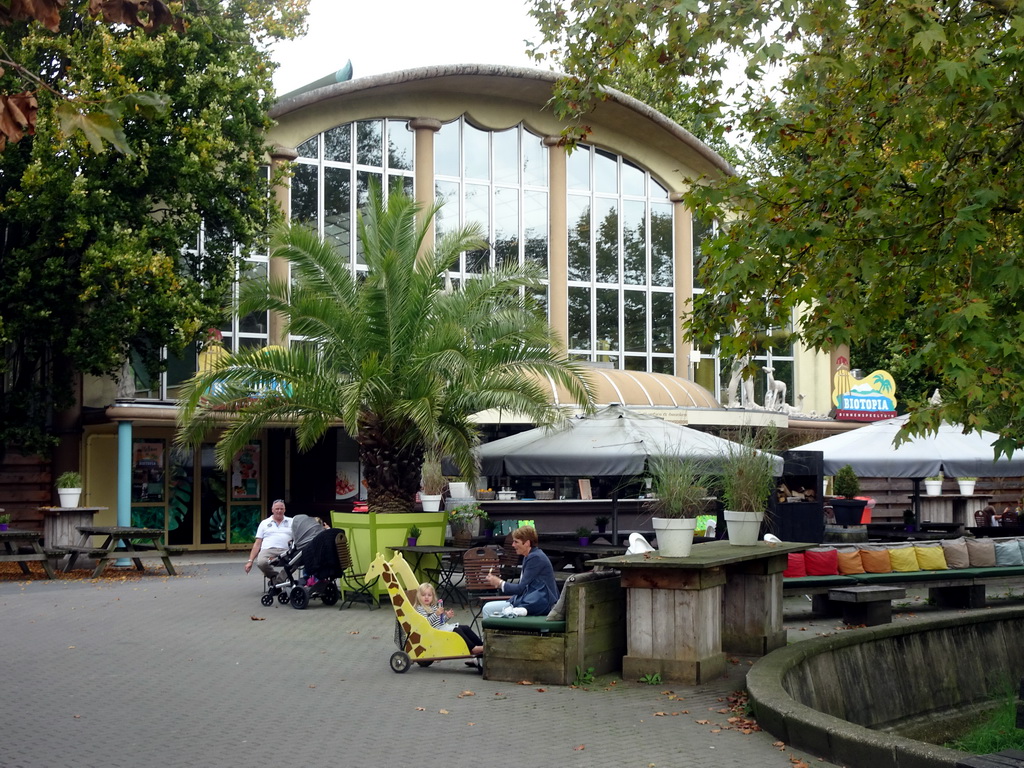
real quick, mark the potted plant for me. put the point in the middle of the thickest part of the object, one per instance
(966, 485)
(933, 485)
(680, 488)
(583, 533)
(462, 519)
(847, 509)
(69, 489)
(601, 521)
(747, 485)
(432, 483)
(5, 521)
(414, 534)
(486, 526)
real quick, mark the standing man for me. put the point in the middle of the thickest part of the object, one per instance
(272, 539)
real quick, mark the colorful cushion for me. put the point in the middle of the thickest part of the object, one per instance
(795, 567)
(1008, 553)
(981, 552)
(875, 560)
(903, 559)
(821, 562)
(849, 561)
(930, 557)
(955, 551)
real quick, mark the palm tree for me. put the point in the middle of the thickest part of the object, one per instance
(393, 356)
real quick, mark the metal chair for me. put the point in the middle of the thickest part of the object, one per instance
(353, 582)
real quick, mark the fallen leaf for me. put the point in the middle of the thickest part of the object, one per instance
(579, 748)
(525, 682)
(70, 647)
(466, 693)
(661, 714)
(257, 618)
(542, 690)
(421, 709)
(311, 685)
(443, 712)
(354, 632)
(779, 744)
(703, 722)
(716, 730)
(470, 723)
(78, 717)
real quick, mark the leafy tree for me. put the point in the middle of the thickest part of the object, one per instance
(93, 259)
(392, 355)
(881, 182)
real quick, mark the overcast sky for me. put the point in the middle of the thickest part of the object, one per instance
(402, 34)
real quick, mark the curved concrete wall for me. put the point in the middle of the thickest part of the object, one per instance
(829, 695)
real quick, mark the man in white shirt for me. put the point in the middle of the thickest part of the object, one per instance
(272, 539)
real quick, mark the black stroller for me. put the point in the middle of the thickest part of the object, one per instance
(311, 565)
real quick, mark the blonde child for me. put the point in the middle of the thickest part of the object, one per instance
(428, 605)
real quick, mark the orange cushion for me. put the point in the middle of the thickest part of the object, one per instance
(903, 559)
(795, 567)
(821, 562)
(849, 562)
(931, 558)
(875, 560)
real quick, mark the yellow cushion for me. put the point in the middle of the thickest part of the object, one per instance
(849, 562)
(931, 558)
(875, 560)
(903, 559)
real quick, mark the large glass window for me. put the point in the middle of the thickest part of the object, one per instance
(620, 257)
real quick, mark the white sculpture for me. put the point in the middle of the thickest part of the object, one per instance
(775, 397)
(745, 397)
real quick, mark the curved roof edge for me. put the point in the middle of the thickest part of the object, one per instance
(420, 74)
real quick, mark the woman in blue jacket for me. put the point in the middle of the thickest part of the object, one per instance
(536, 591)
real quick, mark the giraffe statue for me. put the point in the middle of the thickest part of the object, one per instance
(423, 642)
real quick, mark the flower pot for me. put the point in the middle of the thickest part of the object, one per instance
(848, 511)
(584, 541)
(744, 527)
(412, 541)
(3, 526)
(430, 502)
(602, 527)
(966, 487)
(675, 535)
(933, 487)
(462, 537)
(69, 497)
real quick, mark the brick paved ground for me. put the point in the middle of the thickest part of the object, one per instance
(192, 671)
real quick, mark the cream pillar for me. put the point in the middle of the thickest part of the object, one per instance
(279, 157)
(682, 236)
(425, 128)
(558, 240)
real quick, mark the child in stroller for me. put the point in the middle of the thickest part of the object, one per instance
(311, 566)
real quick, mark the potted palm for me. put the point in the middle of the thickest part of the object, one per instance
(847, 509)
(5, 521)
(583, 534)
(747, 485)
(432, 483)
(680, 488)
(414, 534)
(601, 521)
(69, 489)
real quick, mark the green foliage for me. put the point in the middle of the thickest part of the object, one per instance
(583, 532)
(94, 262)
(583, 677)
(392, 355)
(651, 678)
(996, 732)
(414, 532)
(749, 473)
(846, 484)
(881, 177)
(70, 480)
(5, 519)
(432, 479)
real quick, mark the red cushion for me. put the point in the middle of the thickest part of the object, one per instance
(796, 567)
(822, 562)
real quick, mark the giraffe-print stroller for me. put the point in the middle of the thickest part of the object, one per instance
(416, 639)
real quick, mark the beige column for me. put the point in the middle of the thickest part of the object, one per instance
(682, 236)
(425, 128)
(279, 158)
(558, 239)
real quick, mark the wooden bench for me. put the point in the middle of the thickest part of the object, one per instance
(592, 636)
(866, 605)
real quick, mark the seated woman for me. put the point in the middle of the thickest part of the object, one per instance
(428, 605)
(536, 590)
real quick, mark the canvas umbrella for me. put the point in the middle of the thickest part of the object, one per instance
(613, 441)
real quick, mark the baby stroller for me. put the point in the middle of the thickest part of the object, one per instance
(310, 564)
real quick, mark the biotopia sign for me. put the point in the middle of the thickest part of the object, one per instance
(869, 399)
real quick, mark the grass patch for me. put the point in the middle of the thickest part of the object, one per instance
(997, 732)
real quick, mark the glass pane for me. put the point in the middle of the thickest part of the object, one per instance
(606, 173)
(606, 311)
(632, 179)
(579, 318)
(400, 143)
(661, 245)
(535, 161)
(655, 190)
(506, 156)
(506, 227)
(540, 296)
(338, 144)
(535, 227)
(634, 363)
(634, 319)
(304, 194)
(447, 219)
(704, 374)
(578, 217)
(663, 365)
(476, 159)
(370, 142)
(180, 502)
(606, 246)
(245, 519)
(703, 229)
(476, 212)
(446, 150)
(634, 243)
(309, 148)
(179, 369)
(148, 473)
(337, 208)
(363, 181)
(662, 322)
(577, 169)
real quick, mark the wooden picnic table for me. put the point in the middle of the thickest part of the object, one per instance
(121, 542)
(11, 553)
